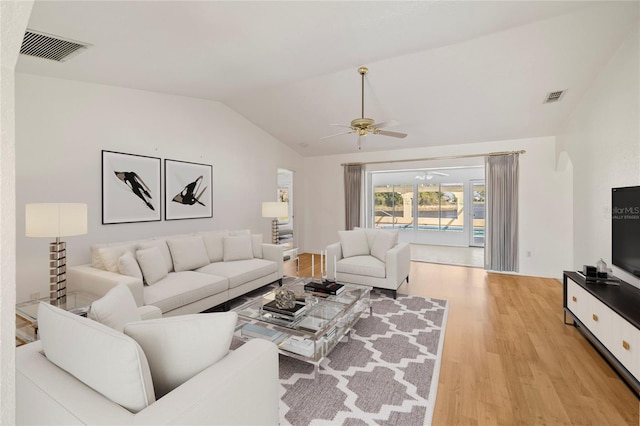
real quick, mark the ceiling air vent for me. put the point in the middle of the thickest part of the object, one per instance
(47, 46)
(554, 96)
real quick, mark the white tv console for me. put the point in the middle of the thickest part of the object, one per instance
(609, 317)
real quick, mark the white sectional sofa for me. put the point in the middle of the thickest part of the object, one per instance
(182, 274)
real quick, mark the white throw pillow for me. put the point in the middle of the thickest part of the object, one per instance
(383, 242)
(354, 243)
(213, 243)
(180, 347)
(188, 253)
(104, 359)
(237, 248)
(116, 308)
(128, 265)
(153, 266)
(111, 255)
(256, 244)
(164, 250)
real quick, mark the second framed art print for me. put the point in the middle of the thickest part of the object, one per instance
(188, 190)
(130, 188)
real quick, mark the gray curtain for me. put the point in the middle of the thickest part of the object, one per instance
(501, 203)
(352, 194)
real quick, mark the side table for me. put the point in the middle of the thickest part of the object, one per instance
(291, 255)
(27, 314)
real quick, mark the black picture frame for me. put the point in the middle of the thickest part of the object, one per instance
(188, 190)
(130, 188)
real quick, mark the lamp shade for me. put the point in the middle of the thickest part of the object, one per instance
(275, 209)
(55, 219)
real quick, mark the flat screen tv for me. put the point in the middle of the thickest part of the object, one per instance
(625, 229)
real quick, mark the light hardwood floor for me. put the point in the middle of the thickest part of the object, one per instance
(508, 358)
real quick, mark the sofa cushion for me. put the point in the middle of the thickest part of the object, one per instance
(178, 348)
(116, 308)
(182, 288)
(362, 265)
(241, 271)
(162, 246)
(383, 242)
(128, 265)
(354, 243)
(104, 359)
(153, 266)
(256, 245)
(111, 255)
(237, 248)
(213, 244)
(188, 253)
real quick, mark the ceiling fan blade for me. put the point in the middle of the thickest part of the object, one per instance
(337, 134)
(385, 124)
(392, 134)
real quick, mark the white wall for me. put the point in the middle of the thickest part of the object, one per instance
(62, 126)
(545, 199)
(602, 138)
(14, 16)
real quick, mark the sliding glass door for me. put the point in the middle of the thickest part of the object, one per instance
(429, 206)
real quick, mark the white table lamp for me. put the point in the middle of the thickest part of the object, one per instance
(55, 220)
(274, 210)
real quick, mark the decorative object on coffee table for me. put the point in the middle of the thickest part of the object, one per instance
(56, 220)
(130, 188)
(274, 210)
(188, 190)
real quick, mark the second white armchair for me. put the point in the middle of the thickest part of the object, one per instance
(371, 257)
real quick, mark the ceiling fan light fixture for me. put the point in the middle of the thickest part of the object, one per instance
(363, 125)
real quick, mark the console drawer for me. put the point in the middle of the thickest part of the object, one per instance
(625, 344)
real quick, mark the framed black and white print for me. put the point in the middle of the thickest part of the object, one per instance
(130, 188)
(188, 190)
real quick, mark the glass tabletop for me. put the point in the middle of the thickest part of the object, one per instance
(77, 302)
(320, 312)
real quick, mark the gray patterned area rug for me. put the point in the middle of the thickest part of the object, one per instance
(384, 373)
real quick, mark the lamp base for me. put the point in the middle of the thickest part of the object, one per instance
(274, 231)
(58, 273)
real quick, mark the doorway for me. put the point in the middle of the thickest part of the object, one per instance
(286, 235)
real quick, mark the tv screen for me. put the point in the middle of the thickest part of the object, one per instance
(625, 229)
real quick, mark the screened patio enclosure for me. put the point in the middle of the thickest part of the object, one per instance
(443, 206)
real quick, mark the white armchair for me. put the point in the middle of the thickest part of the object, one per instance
(370, 257)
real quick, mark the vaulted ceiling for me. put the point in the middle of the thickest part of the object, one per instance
(450, 72)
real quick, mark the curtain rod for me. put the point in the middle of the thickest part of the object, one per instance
(451, 157)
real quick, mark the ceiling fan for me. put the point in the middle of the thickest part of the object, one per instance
(363, 125)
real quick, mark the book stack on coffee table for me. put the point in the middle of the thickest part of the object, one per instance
(284, 313)
(324, 287)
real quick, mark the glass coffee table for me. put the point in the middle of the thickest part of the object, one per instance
(312, 335)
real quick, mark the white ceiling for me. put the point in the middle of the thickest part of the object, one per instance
(450, 72)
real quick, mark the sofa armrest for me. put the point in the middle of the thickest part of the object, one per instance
(275, 253)
(398, 262)
(148, 312)
(98, 282)
(334, 253)
(242, 388)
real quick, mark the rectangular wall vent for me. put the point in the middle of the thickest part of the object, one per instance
(47, 46)
(554, 96)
